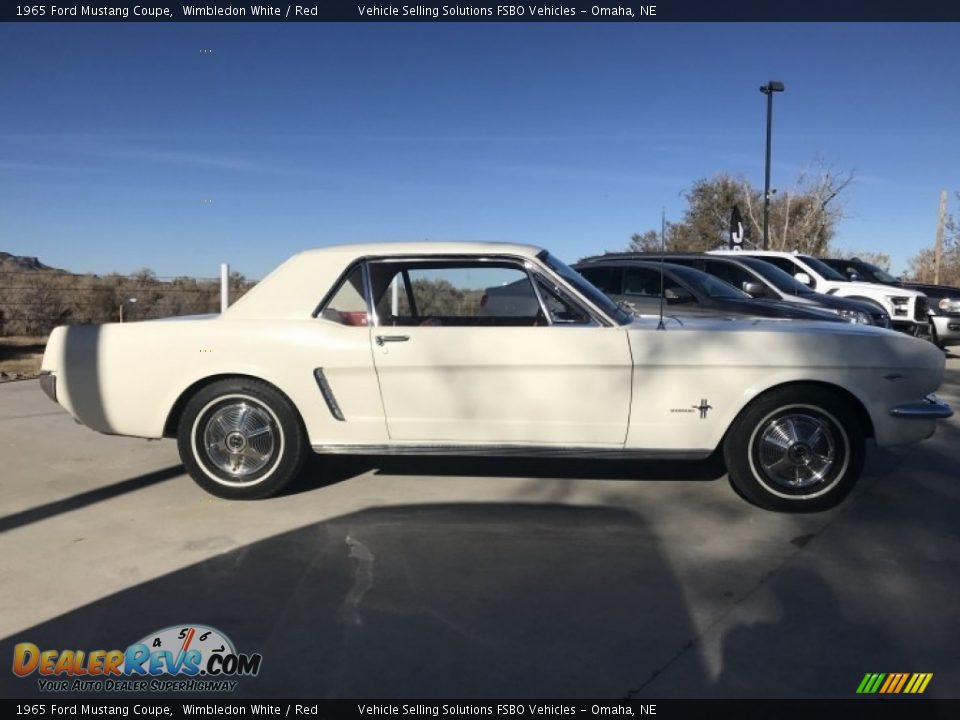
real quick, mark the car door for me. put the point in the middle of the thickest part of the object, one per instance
(482, 351)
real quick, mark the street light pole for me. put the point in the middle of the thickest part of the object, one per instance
(124, 302)
(769, 89)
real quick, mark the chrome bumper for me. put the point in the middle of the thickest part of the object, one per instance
(932, 408)
(48, 383)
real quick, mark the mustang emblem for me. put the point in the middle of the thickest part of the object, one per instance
(703, 407)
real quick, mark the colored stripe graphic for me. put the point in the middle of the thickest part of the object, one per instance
(894, 683)
(926, 681)
(892, 679)
(903, 680)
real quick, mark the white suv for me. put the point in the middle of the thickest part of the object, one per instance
(907, 308)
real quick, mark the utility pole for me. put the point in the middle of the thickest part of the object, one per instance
(938, 245)
(769, 89)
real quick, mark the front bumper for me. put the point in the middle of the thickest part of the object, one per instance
(48, 383)
(948, 328)
(932, 408)
(911, 327)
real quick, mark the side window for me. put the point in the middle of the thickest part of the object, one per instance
(645, 282)
(728, 272)
(562, 310)
(604, 278)
(348, 305)
(785, 264)
(454, 294)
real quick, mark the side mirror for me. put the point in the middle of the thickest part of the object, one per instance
(677, 296)
(804, 278)
(754, 288)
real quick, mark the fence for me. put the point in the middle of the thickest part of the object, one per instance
(33, 302)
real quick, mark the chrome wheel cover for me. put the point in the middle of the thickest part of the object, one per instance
(797, 450)
(239, 439)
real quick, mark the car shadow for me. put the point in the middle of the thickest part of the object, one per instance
(498, 600)
(322, 471)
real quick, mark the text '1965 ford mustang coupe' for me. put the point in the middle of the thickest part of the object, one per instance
(492, 349)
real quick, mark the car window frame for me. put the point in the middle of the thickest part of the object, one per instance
(528, 265)
(335, 287)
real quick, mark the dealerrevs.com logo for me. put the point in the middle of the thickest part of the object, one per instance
(181, 658)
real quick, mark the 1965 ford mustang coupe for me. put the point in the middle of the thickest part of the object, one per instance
(492, 349)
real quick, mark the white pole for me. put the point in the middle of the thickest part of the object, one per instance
(224, 287)
(395, 299)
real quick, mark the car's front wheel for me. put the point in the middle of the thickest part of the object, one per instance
(241, 439)
(795, 449)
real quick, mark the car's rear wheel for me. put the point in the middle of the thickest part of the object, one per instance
(241, 439)
(795, 449)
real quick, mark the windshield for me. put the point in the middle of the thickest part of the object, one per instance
(782, 281)
(585, 288)
(825, 271)
(707, 284)
(879, 273)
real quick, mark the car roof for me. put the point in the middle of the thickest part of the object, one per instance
(644, 262)
(281, 293)
(653, 256)
(424, 247)
(768, 253)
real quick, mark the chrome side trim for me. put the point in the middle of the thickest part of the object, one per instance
(48, 383)
(932, 408)
(328, 395)
(533, 451)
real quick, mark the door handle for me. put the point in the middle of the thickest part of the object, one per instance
(381, 339)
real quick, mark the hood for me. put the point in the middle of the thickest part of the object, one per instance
(866, 287)
(774, 342)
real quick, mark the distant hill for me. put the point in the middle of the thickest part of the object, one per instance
(21, 263)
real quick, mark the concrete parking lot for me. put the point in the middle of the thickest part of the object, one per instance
(435, 578)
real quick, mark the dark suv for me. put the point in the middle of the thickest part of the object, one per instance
(764, 281)
(686, 291)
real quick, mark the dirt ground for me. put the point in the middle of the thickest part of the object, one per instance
(20, 356)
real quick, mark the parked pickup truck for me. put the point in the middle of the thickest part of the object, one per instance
(944, 300)
(907, 308)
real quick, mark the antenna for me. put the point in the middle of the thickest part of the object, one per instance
(663, 224)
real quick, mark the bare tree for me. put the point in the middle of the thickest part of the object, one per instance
(881, 260)
(804, 217)
(922, 264)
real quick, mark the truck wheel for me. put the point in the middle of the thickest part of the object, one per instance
(241, 439)
(795, 449)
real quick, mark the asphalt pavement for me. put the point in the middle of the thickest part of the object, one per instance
(446, 578)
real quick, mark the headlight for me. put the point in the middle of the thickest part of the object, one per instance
(949, 305)
(855, 316)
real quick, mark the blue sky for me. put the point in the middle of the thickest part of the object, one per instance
(125, 146)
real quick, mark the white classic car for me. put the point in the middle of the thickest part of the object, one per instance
(388, 348)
